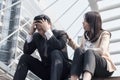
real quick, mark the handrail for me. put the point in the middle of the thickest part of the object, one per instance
(13, 32)
(10, 6)
(110, 7)
(114, 40)
(115, 52)
(111, 18)
(114, 29)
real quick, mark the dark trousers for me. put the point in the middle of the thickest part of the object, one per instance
(89, 61)
(58, 69)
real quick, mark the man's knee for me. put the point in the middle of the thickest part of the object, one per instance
(24, 58)
(56, 56)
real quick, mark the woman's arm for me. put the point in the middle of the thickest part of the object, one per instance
(104, 42)
(72, 43)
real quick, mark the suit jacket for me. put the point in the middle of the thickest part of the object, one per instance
(56, 42)
(101, 46)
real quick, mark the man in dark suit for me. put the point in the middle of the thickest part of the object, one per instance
(51, 45)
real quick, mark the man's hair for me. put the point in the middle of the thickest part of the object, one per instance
(42, 16)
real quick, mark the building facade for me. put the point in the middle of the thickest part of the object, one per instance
(15, 17)
(15, 20)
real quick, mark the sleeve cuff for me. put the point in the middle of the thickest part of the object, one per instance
(29, 38)
(48, 34)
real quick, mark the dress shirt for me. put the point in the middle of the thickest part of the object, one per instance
(48, 35)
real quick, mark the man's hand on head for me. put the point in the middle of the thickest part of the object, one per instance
(33, 28)
(45, 25)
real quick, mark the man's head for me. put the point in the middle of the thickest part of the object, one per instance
(42, 23)
(42, 16)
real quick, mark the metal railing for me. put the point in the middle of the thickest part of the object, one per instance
(7, 68)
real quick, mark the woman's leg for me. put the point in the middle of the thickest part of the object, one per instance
(89, 64)
(101, 67)
(87, 75)
(74, 77)
(95, 64)
(77, 65)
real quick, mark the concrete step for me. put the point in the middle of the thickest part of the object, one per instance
(110, 78)
(4, 75)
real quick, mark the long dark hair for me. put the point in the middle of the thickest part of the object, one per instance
(93, 18)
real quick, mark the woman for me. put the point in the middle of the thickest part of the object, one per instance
(92, 58)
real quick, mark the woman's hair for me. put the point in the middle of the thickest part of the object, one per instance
(93, 18)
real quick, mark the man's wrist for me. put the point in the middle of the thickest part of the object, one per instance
(29, 38)
(48, 34)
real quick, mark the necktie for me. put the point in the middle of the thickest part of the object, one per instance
(45, 45)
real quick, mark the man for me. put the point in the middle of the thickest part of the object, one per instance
(51, 45)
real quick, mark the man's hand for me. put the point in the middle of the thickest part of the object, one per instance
(33, 28)
(45, 25)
